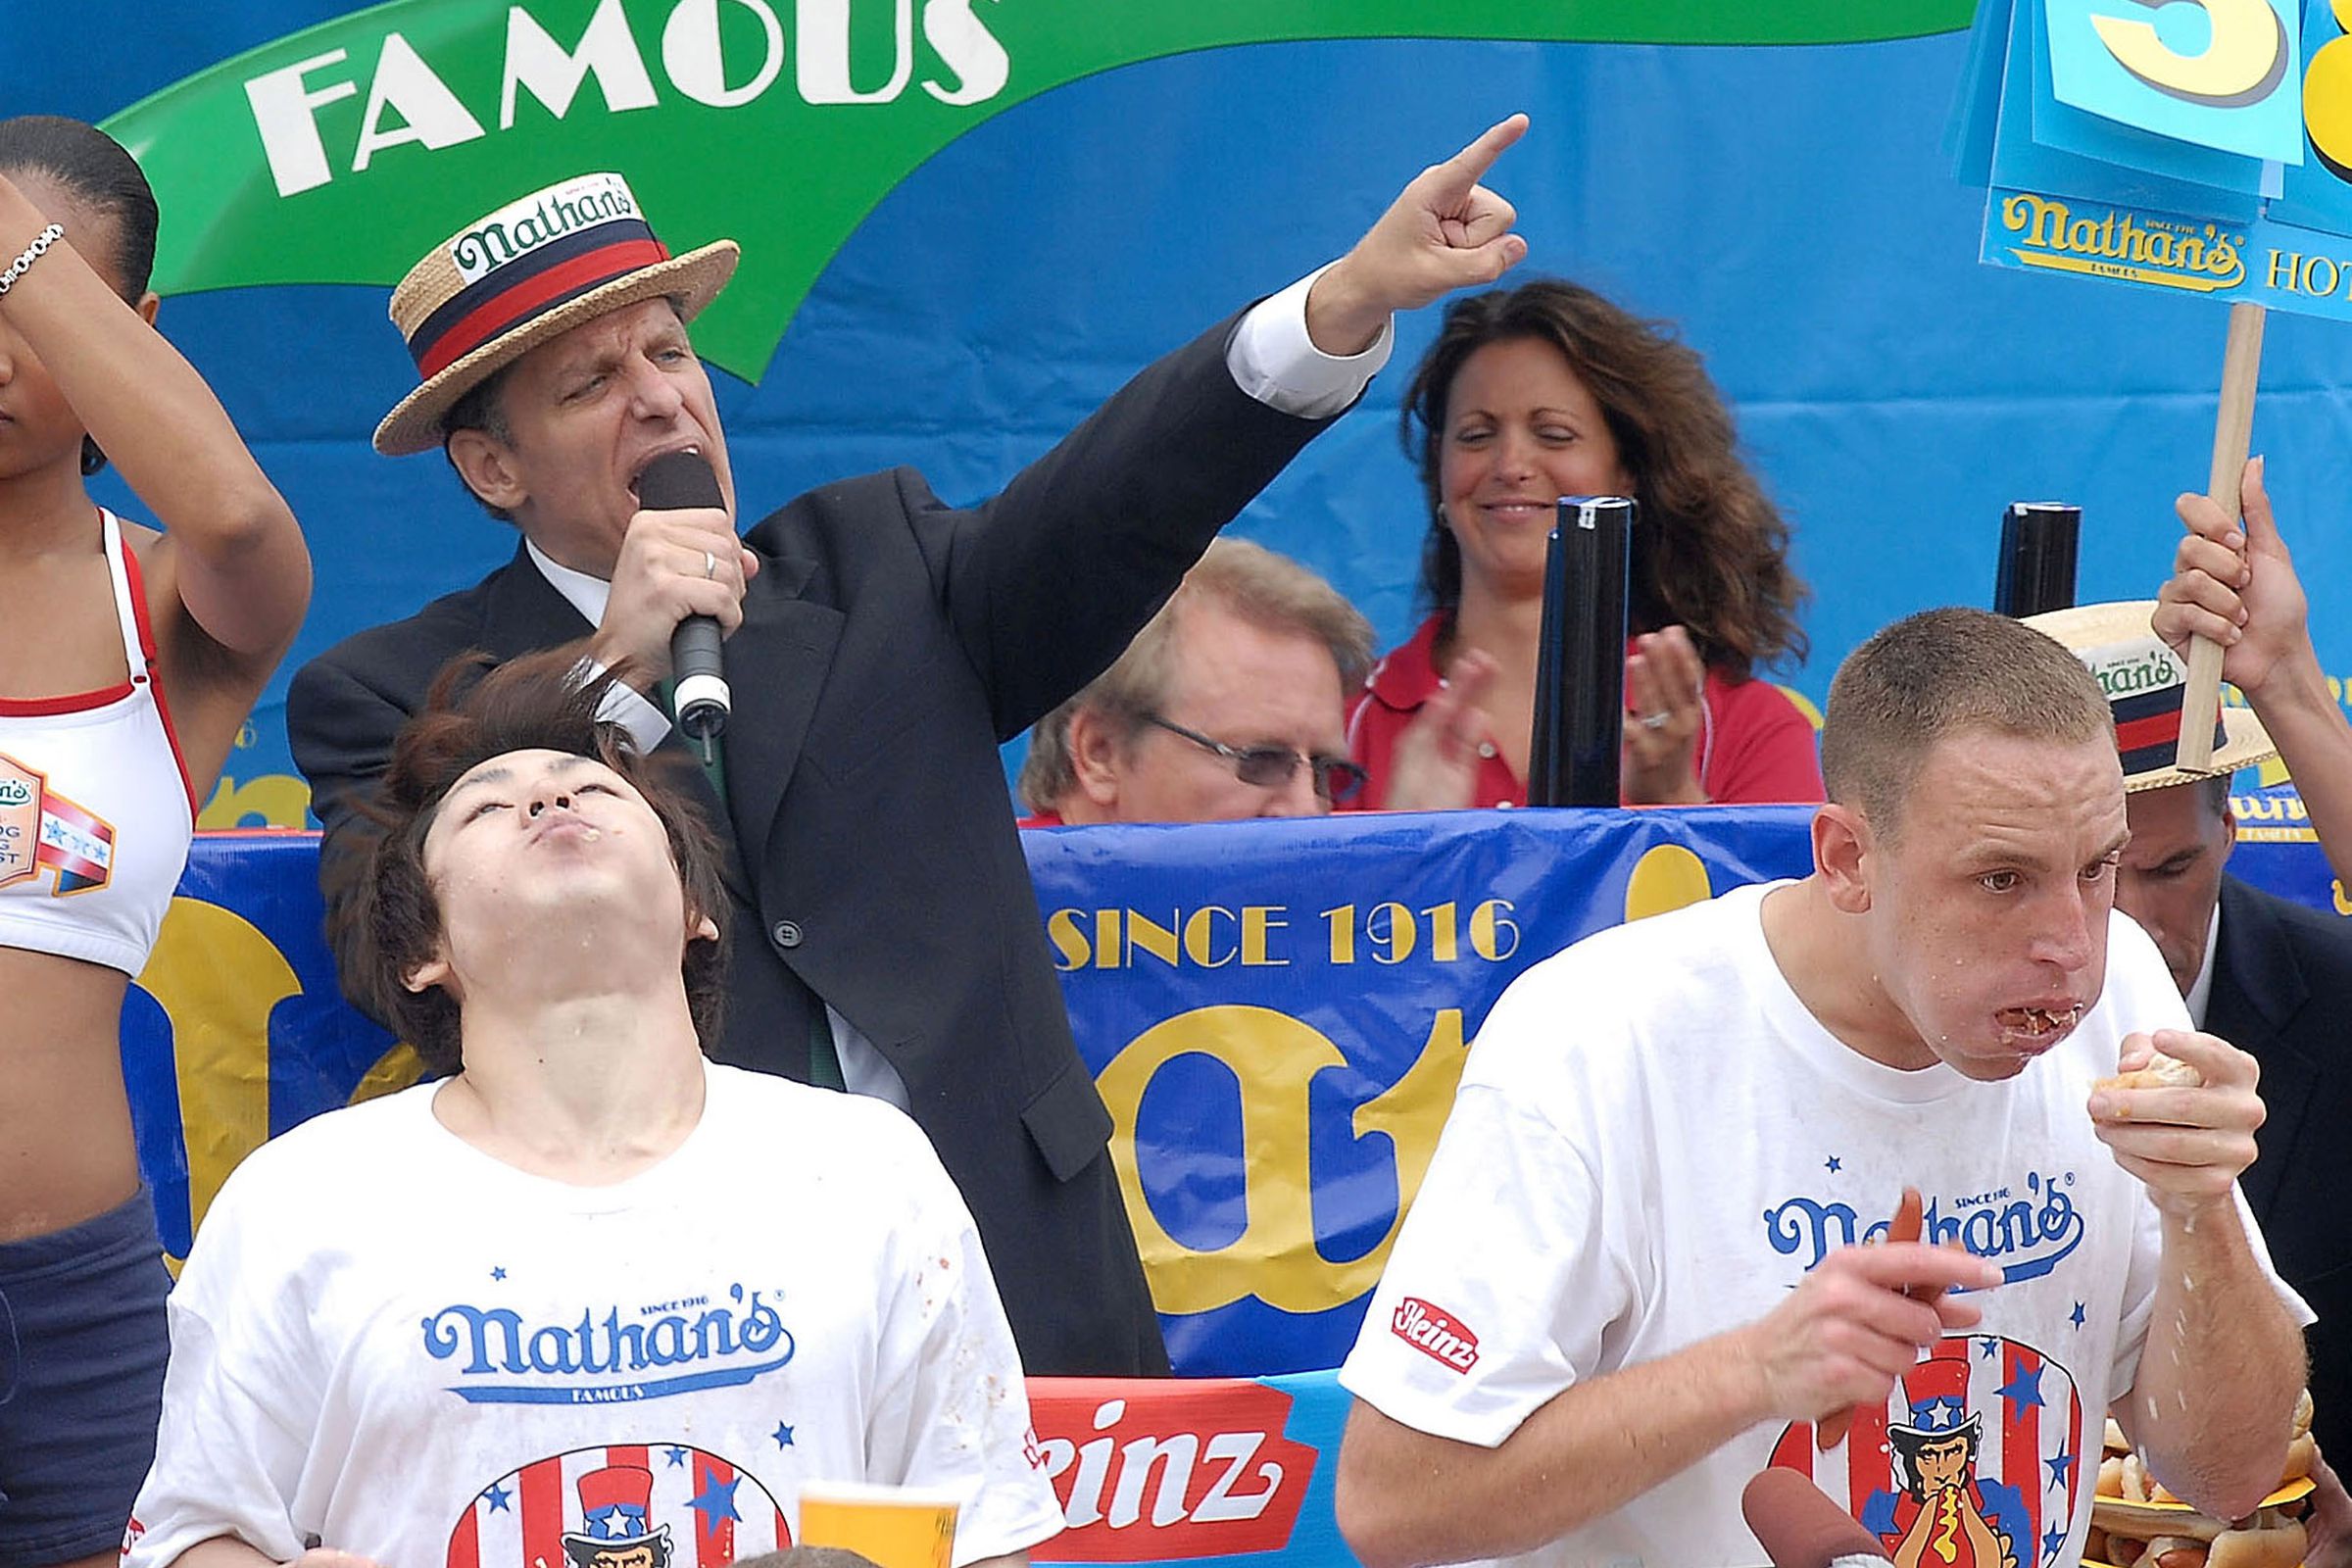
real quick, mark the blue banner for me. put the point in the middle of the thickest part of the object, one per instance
(1788, 207)
(1276, 1014)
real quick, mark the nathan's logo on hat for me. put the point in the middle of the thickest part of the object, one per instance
(542, 219)
(523, 276)
(2146, 687)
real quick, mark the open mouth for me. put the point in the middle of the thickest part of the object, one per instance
(2047, 1025)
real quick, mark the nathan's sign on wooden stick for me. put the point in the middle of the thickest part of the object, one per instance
(2201, 148)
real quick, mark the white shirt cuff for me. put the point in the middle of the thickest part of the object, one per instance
(1274, 361)
(625, 704)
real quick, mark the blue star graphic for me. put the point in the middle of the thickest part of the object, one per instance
(675, 1455)
(1988, 1348)
(715, 1502)
(1834, 1166)
(609, 1524)
(2024, 1388)
(497, 1273)
(782, 1434)
(497, 1497)
(2076, 1314)
(2053, 1540)
(1878, 1513)
(2060, 1464)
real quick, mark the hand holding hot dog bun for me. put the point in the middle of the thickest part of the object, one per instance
(2180, 1116)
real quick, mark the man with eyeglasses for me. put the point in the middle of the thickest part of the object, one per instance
(1229, 703)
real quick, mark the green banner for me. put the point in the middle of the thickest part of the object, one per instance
(340, 154)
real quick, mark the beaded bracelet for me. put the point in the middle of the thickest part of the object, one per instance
(29, 255)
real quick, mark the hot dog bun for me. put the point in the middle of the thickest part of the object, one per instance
(2281, 1548)
(2161, 1072)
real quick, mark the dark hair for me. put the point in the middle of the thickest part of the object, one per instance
(1711, 552)
(94, 166)
(474, 713)
(1941, 673)
(583, 1553)
(2214, 794)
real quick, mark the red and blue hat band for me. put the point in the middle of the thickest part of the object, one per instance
(528, 287)
(2147, 730)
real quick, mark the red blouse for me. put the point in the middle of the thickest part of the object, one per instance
(1757, 748)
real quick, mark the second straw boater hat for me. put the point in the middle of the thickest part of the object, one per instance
(2146, 682)
(528, 272)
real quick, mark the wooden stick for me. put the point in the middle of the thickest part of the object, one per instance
(2233, 431)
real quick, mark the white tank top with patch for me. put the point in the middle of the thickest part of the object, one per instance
(96, 806)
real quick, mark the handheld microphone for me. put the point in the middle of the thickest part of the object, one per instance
(675, 481)
(1799, 1527)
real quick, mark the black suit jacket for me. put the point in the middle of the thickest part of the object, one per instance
(888, 645)
(2283, 992)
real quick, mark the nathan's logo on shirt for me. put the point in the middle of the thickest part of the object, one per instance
(1436, 1332)
(600, 1360)
(2029, 1232)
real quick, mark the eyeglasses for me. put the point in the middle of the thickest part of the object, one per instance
(1272, 766)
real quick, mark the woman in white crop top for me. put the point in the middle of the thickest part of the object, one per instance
(128, 660)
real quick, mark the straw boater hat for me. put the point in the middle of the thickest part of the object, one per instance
(528, 272)
(2146, 682)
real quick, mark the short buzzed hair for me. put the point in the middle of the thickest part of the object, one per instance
(1939, 673)
(1268, 590)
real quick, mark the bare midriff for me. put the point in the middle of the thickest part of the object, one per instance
(65, 1147)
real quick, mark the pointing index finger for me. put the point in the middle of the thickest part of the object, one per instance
(1468, 167)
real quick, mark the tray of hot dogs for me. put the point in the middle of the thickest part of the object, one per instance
(2136, 1523)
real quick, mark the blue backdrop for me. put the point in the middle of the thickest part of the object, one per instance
(1790, 207)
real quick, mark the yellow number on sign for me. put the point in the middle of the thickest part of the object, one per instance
(216, 976)
(1274, 1058)
(2245, 63)
(2328, 97)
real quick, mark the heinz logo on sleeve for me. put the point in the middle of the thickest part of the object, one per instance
(1435, 1333)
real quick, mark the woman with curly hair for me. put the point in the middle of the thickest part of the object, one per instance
(1548, 390)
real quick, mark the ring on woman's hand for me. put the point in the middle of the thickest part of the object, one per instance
(1656, 721)
(710, 565)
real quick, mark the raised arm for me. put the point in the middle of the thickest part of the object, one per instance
(1047, 581)
(2241, 589)
(231, 557)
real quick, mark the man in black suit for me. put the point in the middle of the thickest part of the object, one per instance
(881, 647)
(2273, 978)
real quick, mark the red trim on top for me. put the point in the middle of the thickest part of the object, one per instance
(51, 707)
(2154, 730)
(499, 311)
(155, 679)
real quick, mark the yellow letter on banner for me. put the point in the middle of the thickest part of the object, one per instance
(218, 977)
(1666, 878)
(2244, 64)
(2327, 108)
(1275, 1056)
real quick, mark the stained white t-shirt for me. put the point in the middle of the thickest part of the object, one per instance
(1654, 1141)
(387, 1342)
